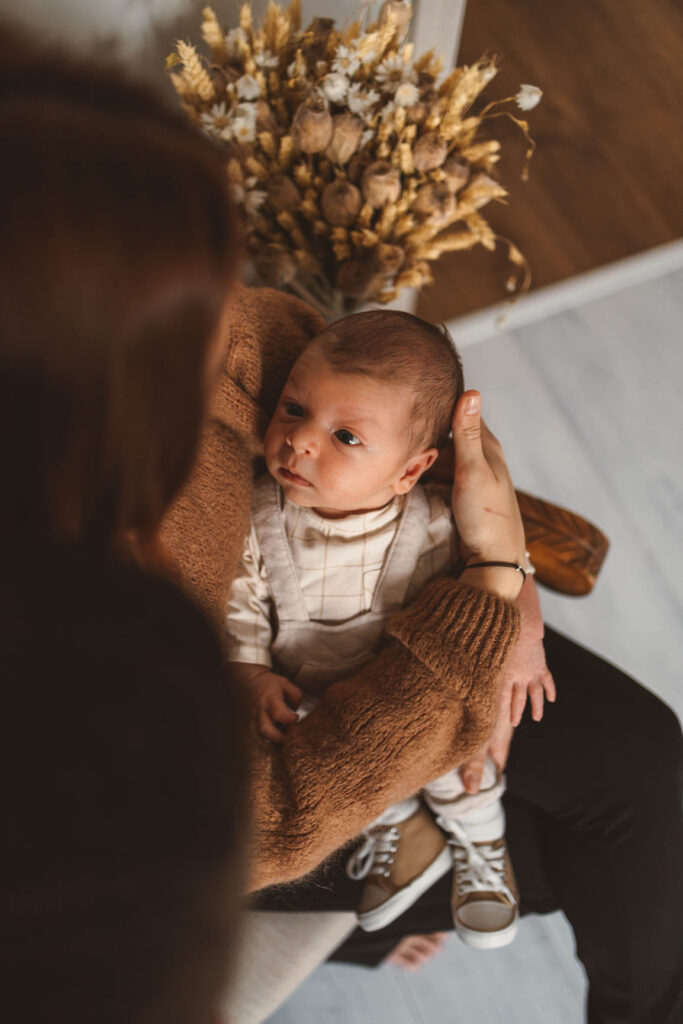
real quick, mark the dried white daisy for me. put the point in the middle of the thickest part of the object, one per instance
(406, 94)
(247, 111)
(359, 100)
(235, 38)
(237, 192)
(266, 59)
(335, 87)
(254, 200)
(528, 97)
(214, 119)
(346, 62)
(243, 130)
(247, 87)
(392, 71)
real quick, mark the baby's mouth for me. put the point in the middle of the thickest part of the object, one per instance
(294, 478)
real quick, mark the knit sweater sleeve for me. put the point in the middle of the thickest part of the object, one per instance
(421, 707)
(418, 708)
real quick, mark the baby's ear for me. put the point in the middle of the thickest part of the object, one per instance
(413, 470)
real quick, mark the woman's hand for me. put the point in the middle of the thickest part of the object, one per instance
(484, 502)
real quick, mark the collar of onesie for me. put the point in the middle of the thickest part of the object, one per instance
(352, 525)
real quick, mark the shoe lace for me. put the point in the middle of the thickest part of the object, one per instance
(375, 855)
(480, 867)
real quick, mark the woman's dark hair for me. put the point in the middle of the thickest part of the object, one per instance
(122, 740)
(117, 248)
(123, 791)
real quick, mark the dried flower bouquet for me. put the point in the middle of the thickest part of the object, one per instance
(354, 165)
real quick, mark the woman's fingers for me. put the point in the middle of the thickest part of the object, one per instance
(471, 771)
(467, 430)
(517, 703)
(536, 695)
(484, 501)
(549, 686)
(499, 744)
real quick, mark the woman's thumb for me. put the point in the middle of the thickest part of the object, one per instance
(467, 428)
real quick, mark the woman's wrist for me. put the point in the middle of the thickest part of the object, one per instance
(502, 581)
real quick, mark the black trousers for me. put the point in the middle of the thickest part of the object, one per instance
(594, 828)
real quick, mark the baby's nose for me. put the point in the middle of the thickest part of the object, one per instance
(303, 441)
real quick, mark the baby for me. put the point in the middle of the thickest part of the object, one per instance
(342, 536)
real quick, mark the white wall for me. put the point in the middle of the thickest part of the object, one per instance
(142, 32)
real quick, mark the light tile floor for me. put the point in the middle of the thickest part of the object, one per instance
(588, 407)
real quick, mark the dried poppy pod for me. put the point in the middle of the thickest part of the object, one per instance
(275, 264)
(434, 201)
(389, 258)
(381, 183)
(340, 203)
(283, 195)
(357, 278)
(457, 172)
(312, 126)
(345, 138)
(416, 114)
(399, 11)
(429, 152)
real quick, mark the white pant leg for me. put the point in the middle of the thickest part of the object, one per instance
(277, 952)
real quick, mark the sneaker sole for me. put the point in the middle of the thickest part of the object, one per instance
(373, 920)
(487, 940)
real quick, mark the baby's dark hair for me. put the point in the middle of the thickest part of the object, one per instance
(402, 349)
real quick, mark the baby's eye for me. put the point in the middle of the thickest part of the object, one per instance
(293, 409)
(347, 438)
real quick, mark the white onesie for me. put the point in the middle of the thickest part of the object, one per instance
(312, 595)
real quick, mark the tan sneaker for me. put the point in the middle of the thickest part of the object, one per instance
(485, 896)
(400, 862)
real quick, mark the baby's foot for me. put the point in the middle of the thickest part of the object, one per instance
(484, 898)
(400, 861)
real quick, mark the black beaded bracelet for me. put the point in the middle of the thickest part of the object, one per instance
(506, 565)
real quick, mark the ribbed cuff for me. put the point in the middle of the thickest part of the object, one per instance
(459, 632)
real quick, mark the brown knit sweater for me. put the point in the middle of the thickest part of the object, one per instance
(419, 708)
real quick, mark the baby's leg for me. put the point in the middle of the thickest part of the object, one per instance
(484, 898)
(402, 854)
(481, 812)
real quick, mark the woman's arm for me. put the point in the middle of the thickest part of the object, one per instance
(417, 709)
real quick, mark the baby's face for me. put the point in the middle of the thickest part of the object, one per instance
(339, 442)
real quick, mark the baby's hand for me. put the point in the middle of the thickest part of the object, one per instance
(273, 696)
(526, 674)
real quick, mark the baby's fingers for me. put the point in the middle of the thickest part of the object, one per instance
(279, 712)
(292, 692)
(267, 727)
